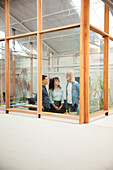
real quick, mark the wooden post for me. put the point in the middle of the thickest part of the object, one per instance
(39, 66)
(106, 58)
(84, 62)
(7, 57)
(13, 60)
(31, 70)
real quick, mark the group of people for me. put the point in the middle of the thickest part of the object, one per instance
(54, 101)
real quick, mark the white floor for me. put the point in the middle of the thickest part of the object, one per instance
(28, 143)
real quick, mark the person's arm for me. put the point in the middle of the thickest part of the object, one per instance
(51, 96)
(62, 100)
(78, 88)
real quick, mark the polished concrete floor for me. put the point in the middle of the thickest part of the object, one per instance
(28, 143)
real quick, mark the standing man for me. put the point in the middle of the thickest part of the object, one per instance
(45, 97)
(72, 92)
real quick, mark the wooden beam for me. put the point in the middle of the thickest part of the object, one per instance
(84, 62)
(60, 115)
(21, 35)
(31, 70)
(22, 111)
(2, 39)
(39, 66)
(13, 60)
(7, 57)
(2, 108)
(60, 28)
(106, 58)
(98, 113)
(98, 31)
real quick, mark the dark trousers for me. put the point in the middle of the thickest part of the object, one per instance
(58, 104)
(72, 108)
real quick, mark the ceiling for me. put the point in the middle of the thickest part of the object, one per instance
(55, 13)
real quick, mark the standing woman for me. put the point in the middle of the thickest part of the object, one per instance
(56, 96)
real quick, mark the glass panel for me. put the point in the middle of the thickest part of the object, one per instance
(61, 59)
(23, 16)
(97, 13)
(60, 13)
(111, 22)
(23, 72)
(2, 25)
(96, 62)
(2, 74)
(110, 73)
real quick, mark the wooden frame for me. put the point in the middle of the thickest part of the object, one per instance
(31, 70)
(39, 64)
(84, 59)
(7, 59)
(84, 62)
(106, 58)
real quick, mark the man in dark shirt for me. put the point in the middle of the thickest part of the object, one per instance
(45, 97)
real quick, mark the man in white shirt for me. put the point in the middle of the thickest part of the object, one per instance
(72, 92)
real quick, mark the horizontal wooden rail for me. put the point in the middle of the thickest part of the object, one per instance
(2, 108)
(22, 35)
(60, 115)
(111, 38)
(98, 31)
(97, 113)
(110, 108)
(45, 113)
(2, 39)
(22, 111)
(93, 28)
(60, 28)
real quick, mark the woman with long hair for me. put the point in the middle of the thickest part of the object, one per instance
(56, 95)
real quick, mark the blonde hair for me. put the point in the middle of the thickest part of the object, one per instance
(72, 76)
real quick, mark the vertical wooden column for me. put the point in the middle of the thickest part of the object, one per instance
(31, 70)
(7, 57)
(84, 62)
(39, 44)
(13, 60)
(106, 58)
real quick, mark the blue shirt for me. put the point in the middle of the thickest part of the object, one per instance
(45, 98)
(75, 91)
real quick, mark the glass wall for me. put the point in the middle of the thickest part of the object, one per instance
(96, 63)
(111, 22)
(97, 13)
(60, 13)
(61, 55)
(2, 74)
(110, 73)
(23, 72)
(2, 27)
(23, 16)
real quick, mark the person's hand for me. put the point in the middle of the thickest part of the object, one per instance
(56, 108)
(76, 102)
(42, 108)
(60, 107)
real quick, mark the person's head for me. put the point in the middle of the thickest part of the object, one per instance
(70, 76)
(54, 82)
(44, 80)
